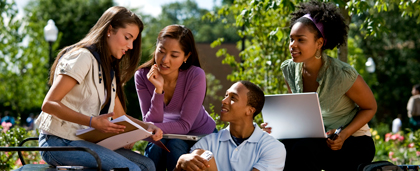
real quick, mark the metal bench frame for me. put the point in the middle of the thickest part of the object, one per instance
(19, 149)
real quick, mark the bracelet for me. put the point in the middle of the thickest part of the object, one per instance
(90, 122)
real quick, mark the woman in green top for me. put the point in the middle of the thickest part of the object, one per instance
(345, 99)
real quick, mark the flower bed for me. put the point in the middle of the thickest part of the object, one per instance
(399, 148)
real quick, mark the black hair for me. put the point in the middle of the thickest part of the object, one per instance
(417, 87)
(186, 41)
(255, 96)
(335, 28)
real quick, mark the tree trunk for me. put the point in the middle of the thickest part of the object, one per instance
(343, 49)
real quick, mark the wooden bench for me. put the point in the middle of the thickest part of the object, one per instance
(46, 167)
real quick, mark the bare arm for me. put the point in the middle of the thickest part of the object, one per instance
(52, 105)
(52, 101)
(361, 94)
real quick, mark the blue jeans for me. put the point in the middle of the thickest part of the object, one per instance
(167, 161)
(164, 160)
(120, 158)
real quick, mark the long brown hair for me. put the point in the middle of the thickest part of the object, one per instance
(185, 39)
(117, 17)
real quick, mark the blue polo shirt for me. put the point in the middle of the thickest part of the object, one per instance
(260, 151)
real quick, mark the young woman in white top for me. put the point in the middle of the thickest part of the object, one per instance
(86, 89)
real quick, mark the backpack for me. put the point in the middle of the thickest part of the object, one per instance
(379, 166)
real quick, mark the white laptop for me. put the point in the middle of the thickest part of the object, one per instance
(295, 115)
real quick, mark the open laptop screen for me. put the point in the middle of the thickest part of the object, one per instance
(295, 115)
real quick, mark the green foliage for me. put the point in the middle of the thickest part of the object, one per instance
(184, 13)
(264, 24)
(216, 117)
(73, 18)
(11, 138)
(23, 61)
(397, 64)
(213, 86)
(374, 23)
(140, 146)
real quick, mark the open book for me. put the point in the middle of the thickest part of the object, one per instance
(133, 132)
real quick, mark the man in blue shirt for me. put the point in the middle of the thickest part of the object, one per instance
(242, 145)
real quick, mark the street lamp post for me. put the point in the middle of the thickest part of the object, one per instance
(50, 34)
(370, 65)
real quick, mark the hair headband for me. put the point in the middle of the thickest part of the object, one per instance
(319, 26)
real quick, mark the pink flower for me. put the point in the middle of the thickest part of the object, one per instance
(6, 126)
(401, 138)
(35, 162)
(42, 162)
(411, 145)
(390, 154)
(18, 163)
(394, 159)
(394, 137)
(388, 135)
(418, 153)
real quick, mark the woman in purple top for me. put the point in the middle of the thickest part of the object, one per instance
(171, 88)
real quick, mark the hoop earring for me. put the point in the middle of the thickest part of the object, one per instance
(317, 54)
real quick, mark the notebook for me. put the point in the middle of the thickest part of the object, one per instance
(296, 115)
(183, 137)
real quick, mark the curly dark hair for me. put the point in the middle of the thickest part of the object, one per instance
(335, 28)
(255, 96)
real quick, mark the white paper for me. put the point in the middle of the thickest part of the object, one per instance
(121, 140)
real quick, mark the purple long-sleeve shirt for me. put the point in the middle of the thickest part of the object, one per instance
(185, 113)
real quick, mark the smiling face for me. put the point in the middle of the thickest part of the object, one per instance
(303, 45)
(235, 104)
(169, 56)
(121, 40)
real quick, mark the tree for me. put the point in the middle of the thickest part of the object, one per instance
(266, 29)
(73, 18)
(189, 14)
(265, 26)
(22, 65)
(395, 53)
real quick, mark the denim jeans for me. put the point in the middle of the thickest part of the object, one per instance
(164, 160)
(167, 161)
(120, 158)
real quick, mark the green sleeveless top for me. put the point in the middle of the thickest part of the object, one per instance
(335, 78)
